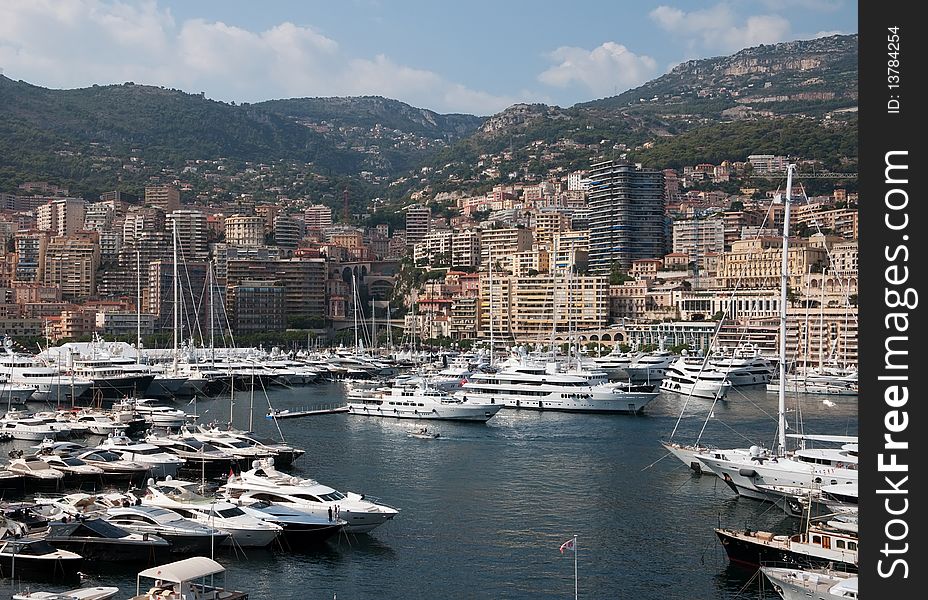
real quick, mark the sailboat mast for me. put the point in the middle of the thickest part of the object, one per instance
(784, 279)
(138, 308)
(176, 294)
(491, 305)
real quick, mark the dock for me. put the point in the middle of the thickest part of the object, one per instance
(292, 414)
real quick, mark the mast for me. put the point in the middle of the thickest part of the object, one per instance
(373, 327)
(491, 306)
(176, 316)
(784, 278)
(138, 308)
(354, 302)
(211, 317)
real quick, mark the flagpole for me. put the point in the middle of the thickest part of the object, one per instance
(576, 586)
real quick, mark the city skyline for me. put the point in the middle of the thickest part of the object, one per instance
(489, 58)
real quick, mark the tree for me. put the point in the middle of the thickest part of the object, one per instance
(617, 275)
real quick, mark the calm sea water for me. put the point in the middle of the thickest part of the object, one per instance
(485, 508)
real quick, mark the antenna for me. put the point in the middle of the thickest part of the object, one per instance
(345, 213)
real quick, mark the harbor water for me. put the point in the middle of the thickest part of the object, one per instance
(485, 507)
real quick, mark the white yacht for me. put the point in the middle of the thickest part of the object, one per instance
(26, 427)
(806, 467)
(690, 376)
(822, 584)
(744, 366)
(100, 424)
(418, 402)
(819, 381)
(15, 393)
(48, 383)
(245, 530)
(265, 483)
(162, 464)
(650, 367)
(155, 414)
(542, 387)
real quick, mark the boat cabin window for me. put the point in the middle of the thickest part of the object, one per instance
(228, 513)
(333, 496)
(309, 497)
(817, 539)
(839, 544)
(264, 497)
(852, 546)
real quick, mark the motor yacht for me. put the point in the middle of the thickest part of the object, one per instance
(419, 402)
(199, 456)
(284, 454)
(186, 536)
(75, 470)
(114, 466)
(35, 559)
(265, 483)
(823, 584)
(544, 387)
(245, 530)
(155, 414)
(98, 540)
(159, 462)
(692, 376)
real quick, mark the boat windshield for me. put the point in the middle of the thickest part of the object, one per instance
(228, 513)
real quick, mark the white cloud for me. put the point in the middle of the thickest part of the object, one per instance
(805, 5)
(82, 42)
(605, 70)
(718, 28)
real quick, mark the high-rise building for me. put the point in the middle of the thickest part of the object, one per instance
(287, 232)
(256, 306)
(30, 255)
(191, 232)
(698, 237)
(71, 263)
(318, 216)
(626, 215)
(165, 197)
(418, 219)
(500, 244)
(244, 230)
(61, 216)
(140, 220)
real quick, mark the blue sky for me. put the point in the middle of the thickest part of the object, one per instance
(471, 56)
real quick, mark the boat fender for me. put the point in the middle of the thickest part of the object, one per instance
(745, 472)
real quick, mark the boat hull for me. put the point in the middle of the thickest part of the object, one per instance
(63, 570)
(753, 553)
(113, 550)
(477, 414)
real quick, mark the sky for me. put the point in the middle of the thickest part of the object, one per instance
(452, 56)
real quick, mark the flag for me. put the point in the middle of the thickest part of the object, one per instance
(568, 545)
(231, 473)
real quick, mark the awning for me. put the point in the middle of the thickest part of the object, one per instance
(184, 570)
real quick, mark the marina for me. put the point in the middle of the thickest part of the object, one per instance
(486, 507)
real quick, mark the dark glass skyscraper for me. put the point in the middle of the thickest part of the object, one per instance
(626, 215)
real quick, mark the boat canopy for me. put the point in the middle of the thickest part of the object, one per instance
(184, 570)
(838, 439)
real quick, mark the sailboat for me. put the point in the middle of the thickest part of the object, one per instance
(739, 466)
(744, 469)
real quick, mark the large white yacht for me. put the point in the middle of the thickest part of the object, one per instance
(48, 383)
(650, 367)
(690, 376)
(744, 470)
(418, 402)
(542, 387)
(265, 483)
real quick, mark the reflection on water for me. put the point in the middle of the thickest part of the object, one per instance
(484, 509)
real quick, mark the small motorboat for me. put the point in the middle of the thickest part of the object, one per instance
(92, 593)
(425, 434)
